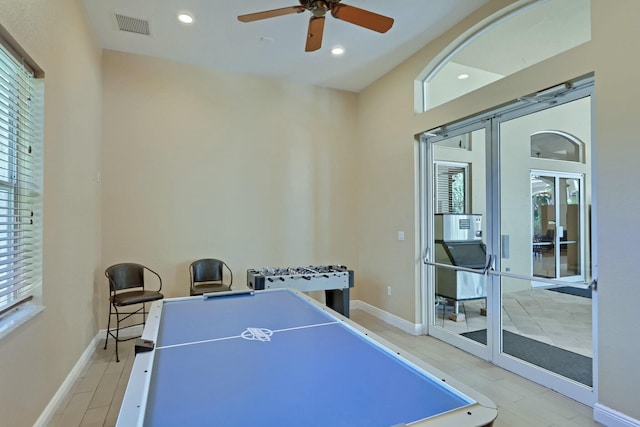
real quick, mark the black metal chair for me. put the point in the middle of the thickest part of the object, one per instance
(127, 287)
(207, 275)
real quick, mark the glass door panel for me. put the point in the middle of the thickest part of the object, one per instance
(547, 329)
(545, 308)
(458, 195)
(571, 225)
(543, 190)
(557, 225)
(525, 174)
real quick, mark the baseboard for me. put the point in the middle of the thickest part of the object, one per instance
(49, 411)
(612, 418)
(392, 319)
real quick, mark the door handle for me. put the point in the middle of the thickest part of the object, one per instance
(490, 264)
(505, 246)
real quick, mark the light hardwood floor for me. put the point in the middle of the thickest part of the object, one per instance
(96, 397)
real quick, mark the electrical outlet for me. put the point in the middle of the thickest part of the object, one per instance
(388, 290)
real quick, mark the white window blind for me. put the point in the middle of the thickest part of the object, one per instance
(20, 183)
(450, 188)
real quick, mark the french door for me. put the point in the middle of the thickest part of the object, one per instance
(557, 226)
(507, 270)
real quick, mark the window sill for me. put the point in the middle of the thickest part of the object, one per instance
(16, 318)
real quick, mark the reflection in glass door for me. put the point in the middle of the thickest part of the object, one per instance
(545, 328)
(557, 225)
(457, 247)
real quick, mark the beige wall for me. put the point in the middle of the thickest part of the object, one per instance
(388, 200)
(201, 163)
(387, 191)
(37, 357)
(615, 32)
(260, 172)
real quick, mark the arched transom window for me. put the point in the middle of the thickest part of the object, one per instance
(520, 36)
(556, 145)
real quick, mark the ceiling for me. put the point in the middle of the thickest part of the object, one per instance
(275, 47)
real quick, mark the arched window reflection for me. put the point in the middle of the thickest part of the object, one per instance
(556, 145)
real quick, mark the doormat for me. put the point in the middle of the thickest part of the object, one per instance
(563, 362)
(585, 293)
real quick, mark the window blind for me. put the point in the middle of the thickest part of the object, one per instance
(20, 183)
(450, 188)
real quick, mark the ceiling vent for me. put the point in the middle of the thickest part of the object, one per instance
(132, 25)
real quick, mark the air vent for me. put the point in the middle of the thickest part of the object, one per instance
(132, 25)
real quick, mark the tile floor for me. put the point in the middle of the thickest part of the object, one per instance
(561, 320)
(96, 397)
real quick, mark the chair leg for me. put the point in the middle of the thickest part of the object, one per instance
(464, 313)
(117, 333)
(113, 311)
(106, 340)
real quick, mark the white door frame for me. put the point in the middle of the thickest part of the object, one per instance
(491, 351)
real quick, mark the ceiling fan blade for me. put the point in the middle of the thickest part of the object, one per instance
(271, 13)
(314, 35)
(361, 17)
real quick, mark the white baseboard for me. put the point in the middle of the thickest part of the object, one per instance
(601, 413)
(392, 319)
(49, 411)
(612, 418)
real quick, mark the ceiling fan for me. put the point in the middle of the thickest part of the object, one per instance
(319, 9)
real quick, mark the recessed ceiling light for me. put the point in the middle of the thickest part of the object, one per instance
(463, 76)
(337, 50)
(185, 18)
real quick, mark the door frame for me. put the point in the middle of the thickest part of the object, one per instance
(558, 175)
(492, 351)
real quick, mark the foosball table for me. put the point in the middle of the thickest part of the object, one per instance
(334, 280)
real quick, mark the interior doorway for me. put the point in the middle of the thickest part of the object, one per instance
(507, 271)
(557, 205)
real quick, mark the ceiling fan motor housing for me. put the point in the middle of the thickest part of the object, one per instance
(319, 8)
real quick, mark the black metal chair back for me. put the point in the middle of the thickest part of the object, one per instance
(125, 276)
(207, 275)
(207, 270)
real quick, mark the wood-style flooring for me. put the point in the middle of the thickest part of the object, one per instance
(96, 397)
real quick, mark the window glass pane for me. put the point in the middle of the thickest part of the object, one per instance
(556, 146)
(20, 183)
(526, 37)
(6, 133)
(450, 188)
(570, 264)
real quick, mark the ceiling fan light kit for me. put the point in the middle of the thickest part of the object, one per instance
(319, 8)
